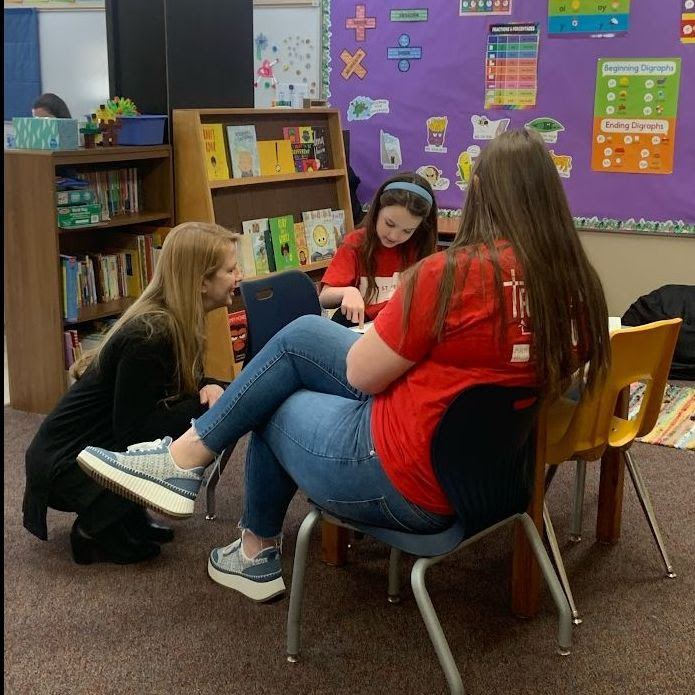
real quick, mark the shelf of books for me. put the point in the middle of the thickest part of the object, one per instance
(276, 176)
(83, 229)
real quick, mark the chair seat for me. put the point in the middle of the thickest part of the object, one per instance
(421, 545)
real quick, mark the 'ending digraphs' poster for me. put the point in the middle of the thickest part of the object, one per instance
(635, 115)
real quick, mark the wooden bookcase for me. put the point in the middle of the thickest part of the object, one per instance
(34, 321)
(231, 201)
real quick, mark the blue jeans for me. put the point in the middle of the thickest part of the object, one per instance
(312, 430)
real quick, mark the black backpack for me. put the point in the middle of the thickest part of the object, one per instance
(670, 302)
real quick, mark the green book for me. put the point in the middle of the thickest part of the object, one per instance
(284, 243)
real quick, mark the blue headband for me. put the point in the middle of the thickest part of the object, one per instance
(411, 187)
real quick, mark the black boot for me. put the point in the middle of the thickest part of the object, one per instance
(112, 544)
(141, 526)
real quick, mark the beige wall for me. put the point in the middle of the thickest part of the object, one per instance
(631, 265)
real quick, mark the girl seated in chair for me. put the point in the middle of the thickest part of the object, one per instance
(349, 419)
(399, 230)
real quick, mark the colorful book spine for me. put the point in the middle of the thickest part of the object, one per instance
(69, 271)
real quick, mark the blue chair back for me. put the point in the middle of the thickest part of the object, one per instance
(483, 454)
(272, 301)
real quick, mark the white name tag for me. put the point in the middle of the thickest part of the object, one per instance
(521, 353)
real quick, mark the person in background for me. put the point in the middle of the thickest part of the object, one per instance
(146, 378)
(349, 419)
(50, 106)
(399, 230)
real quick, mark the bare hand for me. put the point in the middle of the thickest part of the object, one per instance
(352, 306)
(209, 395)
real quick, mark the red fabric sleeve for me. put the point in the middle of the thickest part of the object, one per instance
(418, 339)
(344, 269)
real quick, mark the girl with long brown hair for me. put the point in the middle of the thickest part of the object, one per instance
(348, 419)
(146, 377)
(399, 229)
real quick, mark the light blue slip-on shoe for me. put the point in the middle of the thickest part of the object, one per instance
(147, 474)
(260, 578)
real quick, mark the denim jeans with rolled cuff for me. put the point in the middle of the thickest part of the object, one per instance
(311, 430)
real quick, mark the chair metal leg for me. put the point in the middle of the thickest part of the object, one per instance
(394, 591)
(564, 633)
(646, 502)
(434, 628)
(213, 479)
(559, 564)
(550, 472)
(577, 511)
(297, 588)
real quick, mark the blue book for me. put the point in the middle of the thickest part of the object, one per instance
(69, 267)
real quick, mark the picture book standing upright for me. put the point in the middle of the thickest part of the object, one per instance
(284, 244)
(243, 151)
(320, 237)
(215, 155)
(257, 229)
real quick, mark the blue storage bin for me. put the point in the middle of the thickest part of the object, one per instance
(141, 130)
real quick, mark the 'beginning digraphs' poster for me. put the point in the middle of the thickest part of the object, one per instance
(635, 115)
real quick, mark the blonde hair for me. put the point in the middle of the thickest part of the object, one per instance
(172, 303)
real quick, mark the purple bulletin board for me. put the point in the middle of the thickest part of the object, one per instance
(446, 77)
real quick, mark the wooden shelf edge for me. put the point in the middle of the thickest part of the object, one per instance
(100, 311)
(121, 221)
(280, 178)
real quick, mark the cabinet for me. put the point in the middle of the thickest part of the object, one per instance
(33, 243)
(229, 202)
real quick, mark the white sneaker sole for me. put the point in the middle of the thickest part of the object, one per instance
(256, 591)
(147, 492)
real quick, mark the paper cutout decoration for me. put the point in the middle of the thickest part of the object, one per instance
(588, 18)
(404, 53)
(469, 8)
(464, 166)
(436, 132)
(485, 129)
(635, 111)
(563, 163)
(363, 108)
(688, 22)
(434, 177)
(265, 72)
(511, 66)
(261, 42)
(360, 23)
(390, 147)
(353, 64)
(548, 128)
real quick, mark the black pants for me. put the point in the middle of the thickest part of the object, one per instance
(74, 491)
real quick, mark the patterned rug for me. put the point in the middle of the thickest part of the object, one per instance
(676, 424)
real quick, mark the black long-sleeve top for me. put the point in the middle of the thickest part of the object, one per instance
(117, 402)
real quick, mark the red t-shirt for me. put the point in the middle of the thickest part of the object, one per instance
(345, 271)
(405, 415)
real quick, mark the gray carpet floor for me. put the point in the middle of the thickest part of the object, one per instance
(165, 627)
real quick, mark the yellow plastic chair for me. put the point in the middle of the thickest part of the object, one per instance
(582, 430)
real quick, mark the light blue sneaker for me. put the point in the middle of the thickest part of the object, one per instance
(147, 474)
(259, 578)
